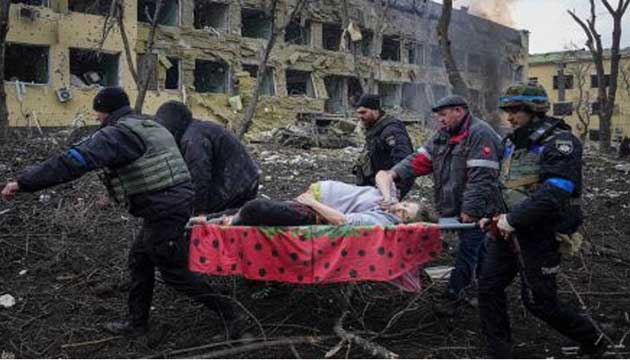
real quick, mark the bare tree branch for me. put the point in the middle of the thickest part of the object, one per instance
(149, 62)
(116, 17)
(4, 29)
(606, 92)
(110, 20)
(589, 41)
(126, 45)
(581, 72)
(608, 7)
(455, 78)
(264, 58)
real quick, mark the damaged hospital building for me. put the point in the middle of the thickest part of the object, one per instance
(208, 51)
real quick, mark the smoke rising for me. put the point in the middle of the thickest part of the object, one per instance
(499, 11)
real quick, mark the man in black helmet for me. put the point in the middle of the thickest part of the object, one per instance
(386, 144)
(223, 174)
(144, 170)
(463, 156)
(541, 183)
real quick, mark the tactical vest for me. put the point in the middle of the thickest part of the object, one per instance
(520, 168)
(520, 171)
(364, 167)
(161, 166)
(520, 177)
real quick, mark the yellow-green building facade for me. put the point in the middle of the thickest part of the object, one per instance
(208, 53)
(578, 71)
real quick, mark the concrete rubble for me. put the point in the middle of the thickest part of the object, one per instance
(208, 53)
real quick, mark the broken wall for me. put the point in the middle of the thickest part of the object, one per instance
(219, 40)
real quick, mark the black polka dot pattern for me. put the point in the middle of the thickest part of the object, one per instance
(293, 256)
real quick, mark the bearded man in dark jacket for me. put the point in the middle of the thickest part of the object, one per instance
(223, 174)
(386, 144)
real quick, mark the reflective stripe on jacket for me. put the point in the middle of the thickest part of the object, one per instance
(465, 169)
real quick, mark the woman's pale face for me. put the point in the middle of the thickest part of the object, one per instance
(406, 211)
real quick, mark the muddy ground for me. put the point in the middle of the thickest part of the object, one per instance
(64, 261)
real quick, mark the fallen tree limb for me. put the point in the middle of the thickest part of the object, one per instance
(330, 353)
(372, 348)
(85, 343)
(261, 345)
(598, 293)
(608, 252)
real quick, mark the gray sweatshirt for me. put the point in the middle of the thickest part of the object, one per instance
(358, 203)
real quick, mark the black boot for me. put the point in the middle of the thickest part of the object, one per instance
(235, 328)
(594, 350)
(125, 328)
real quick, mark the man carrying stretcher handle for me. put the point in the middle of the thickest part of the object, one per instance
(326, 202)
(463, 157)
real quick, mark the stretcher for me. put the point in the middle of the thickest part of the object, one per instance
(316, 254)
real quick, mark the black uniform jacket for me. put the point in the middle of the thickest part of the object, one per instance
(220, 166)
(560, 178)
(111, 146)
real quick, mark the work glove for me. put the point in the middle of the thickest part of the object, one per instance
(498, 227)
(9, 190)
(504, 226)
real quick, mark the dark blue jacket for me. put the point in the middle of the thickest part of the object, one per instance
(223, 174)
(549, 207)
(386, 144)
(112, 146)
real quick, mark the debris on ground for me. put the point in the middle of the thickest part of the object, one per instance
(7, 300)
(75, 255)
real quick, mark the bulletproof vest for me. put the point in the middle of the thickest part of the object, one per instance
(520, 168)
(161, 166)
(364, 168)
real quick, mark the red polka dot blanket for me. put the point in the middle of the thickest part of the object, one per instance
(313, 254)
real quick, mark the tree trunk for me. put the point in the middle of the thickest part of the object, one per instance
(149, 62)
(606, 120)
(248, 117)
(4, 29)
(606, 96)
(454, 77)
